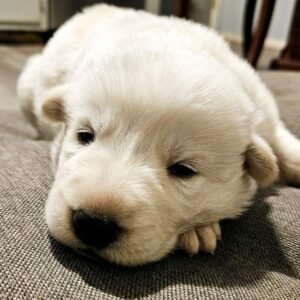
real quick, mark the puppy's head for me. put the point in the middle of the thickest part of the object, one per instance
(150, 148)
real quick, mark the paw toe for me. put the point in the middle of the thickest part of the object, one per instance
(189, 242)
(202, 238)
(208, 239)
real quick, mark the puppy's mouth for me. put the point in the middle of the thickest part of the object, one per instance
(89, 253)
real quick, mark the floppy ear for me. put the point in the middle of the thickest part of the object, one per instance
(53, 106)
(261, 162)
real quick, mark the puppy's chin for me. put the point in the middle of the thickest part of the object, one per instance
(117, 255)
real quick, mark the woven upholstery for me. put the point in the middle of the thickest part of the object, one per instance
(258, 257)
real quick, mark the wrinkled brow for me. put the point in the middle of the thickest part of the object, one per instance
(175, 151)
(84, 122)
(102, 123)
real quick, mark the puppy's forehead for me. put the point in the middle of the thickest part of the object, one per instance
(168, 78)
(194, 96)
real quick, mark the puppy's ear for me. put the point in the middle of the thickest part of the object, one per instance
(53, 105)
(261, 162)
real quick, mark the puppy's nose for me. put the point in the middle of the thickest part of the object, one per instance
(98, 232)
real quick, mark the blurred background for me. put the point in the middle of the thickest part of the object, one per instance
(265, 32)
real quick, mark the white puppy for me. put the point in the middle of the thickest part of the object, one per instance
(163, 132)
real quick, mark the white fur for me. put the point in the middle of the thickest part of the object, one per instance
(156, 91)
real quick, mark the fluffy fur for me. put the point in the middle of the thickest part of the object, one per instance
(156, 91)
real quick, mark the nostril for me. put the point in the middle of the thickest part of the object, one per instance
(98, 232)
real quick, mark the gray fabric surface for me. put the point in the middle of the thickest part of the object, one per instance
(258, 257)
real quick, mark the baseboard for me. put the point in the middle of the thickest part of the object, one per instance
(270, 43)
(25, 37)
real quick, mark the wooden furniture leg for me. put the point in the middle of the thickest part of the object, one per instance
(257, 41)
(248, 24)
(290, 56)
(181, 8)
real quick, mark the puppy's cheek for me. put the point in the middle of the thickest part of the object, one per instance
(133, 252)
(58, 218)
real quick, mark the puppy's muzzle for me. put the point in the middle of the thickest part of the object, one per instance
(97, 232)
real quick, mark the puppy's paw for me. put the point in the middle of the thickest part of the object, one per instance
(202, 238)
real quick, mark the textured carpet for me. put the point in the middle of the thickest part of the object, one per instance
(258, 257)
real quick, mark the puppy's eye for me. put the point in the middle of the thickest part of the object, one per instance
(85, 136)
(181, 170)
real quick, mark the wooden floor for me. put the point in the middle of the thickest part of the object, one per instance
(266, 56)
(12, 60)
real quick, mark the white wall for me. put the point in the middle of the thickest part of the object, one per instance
(231, 13)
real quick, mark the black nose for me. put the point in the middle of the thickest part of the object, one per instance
(98, 232)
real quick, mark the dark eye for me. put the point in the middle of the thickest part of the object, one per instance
(85, 136)
(181, 170)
